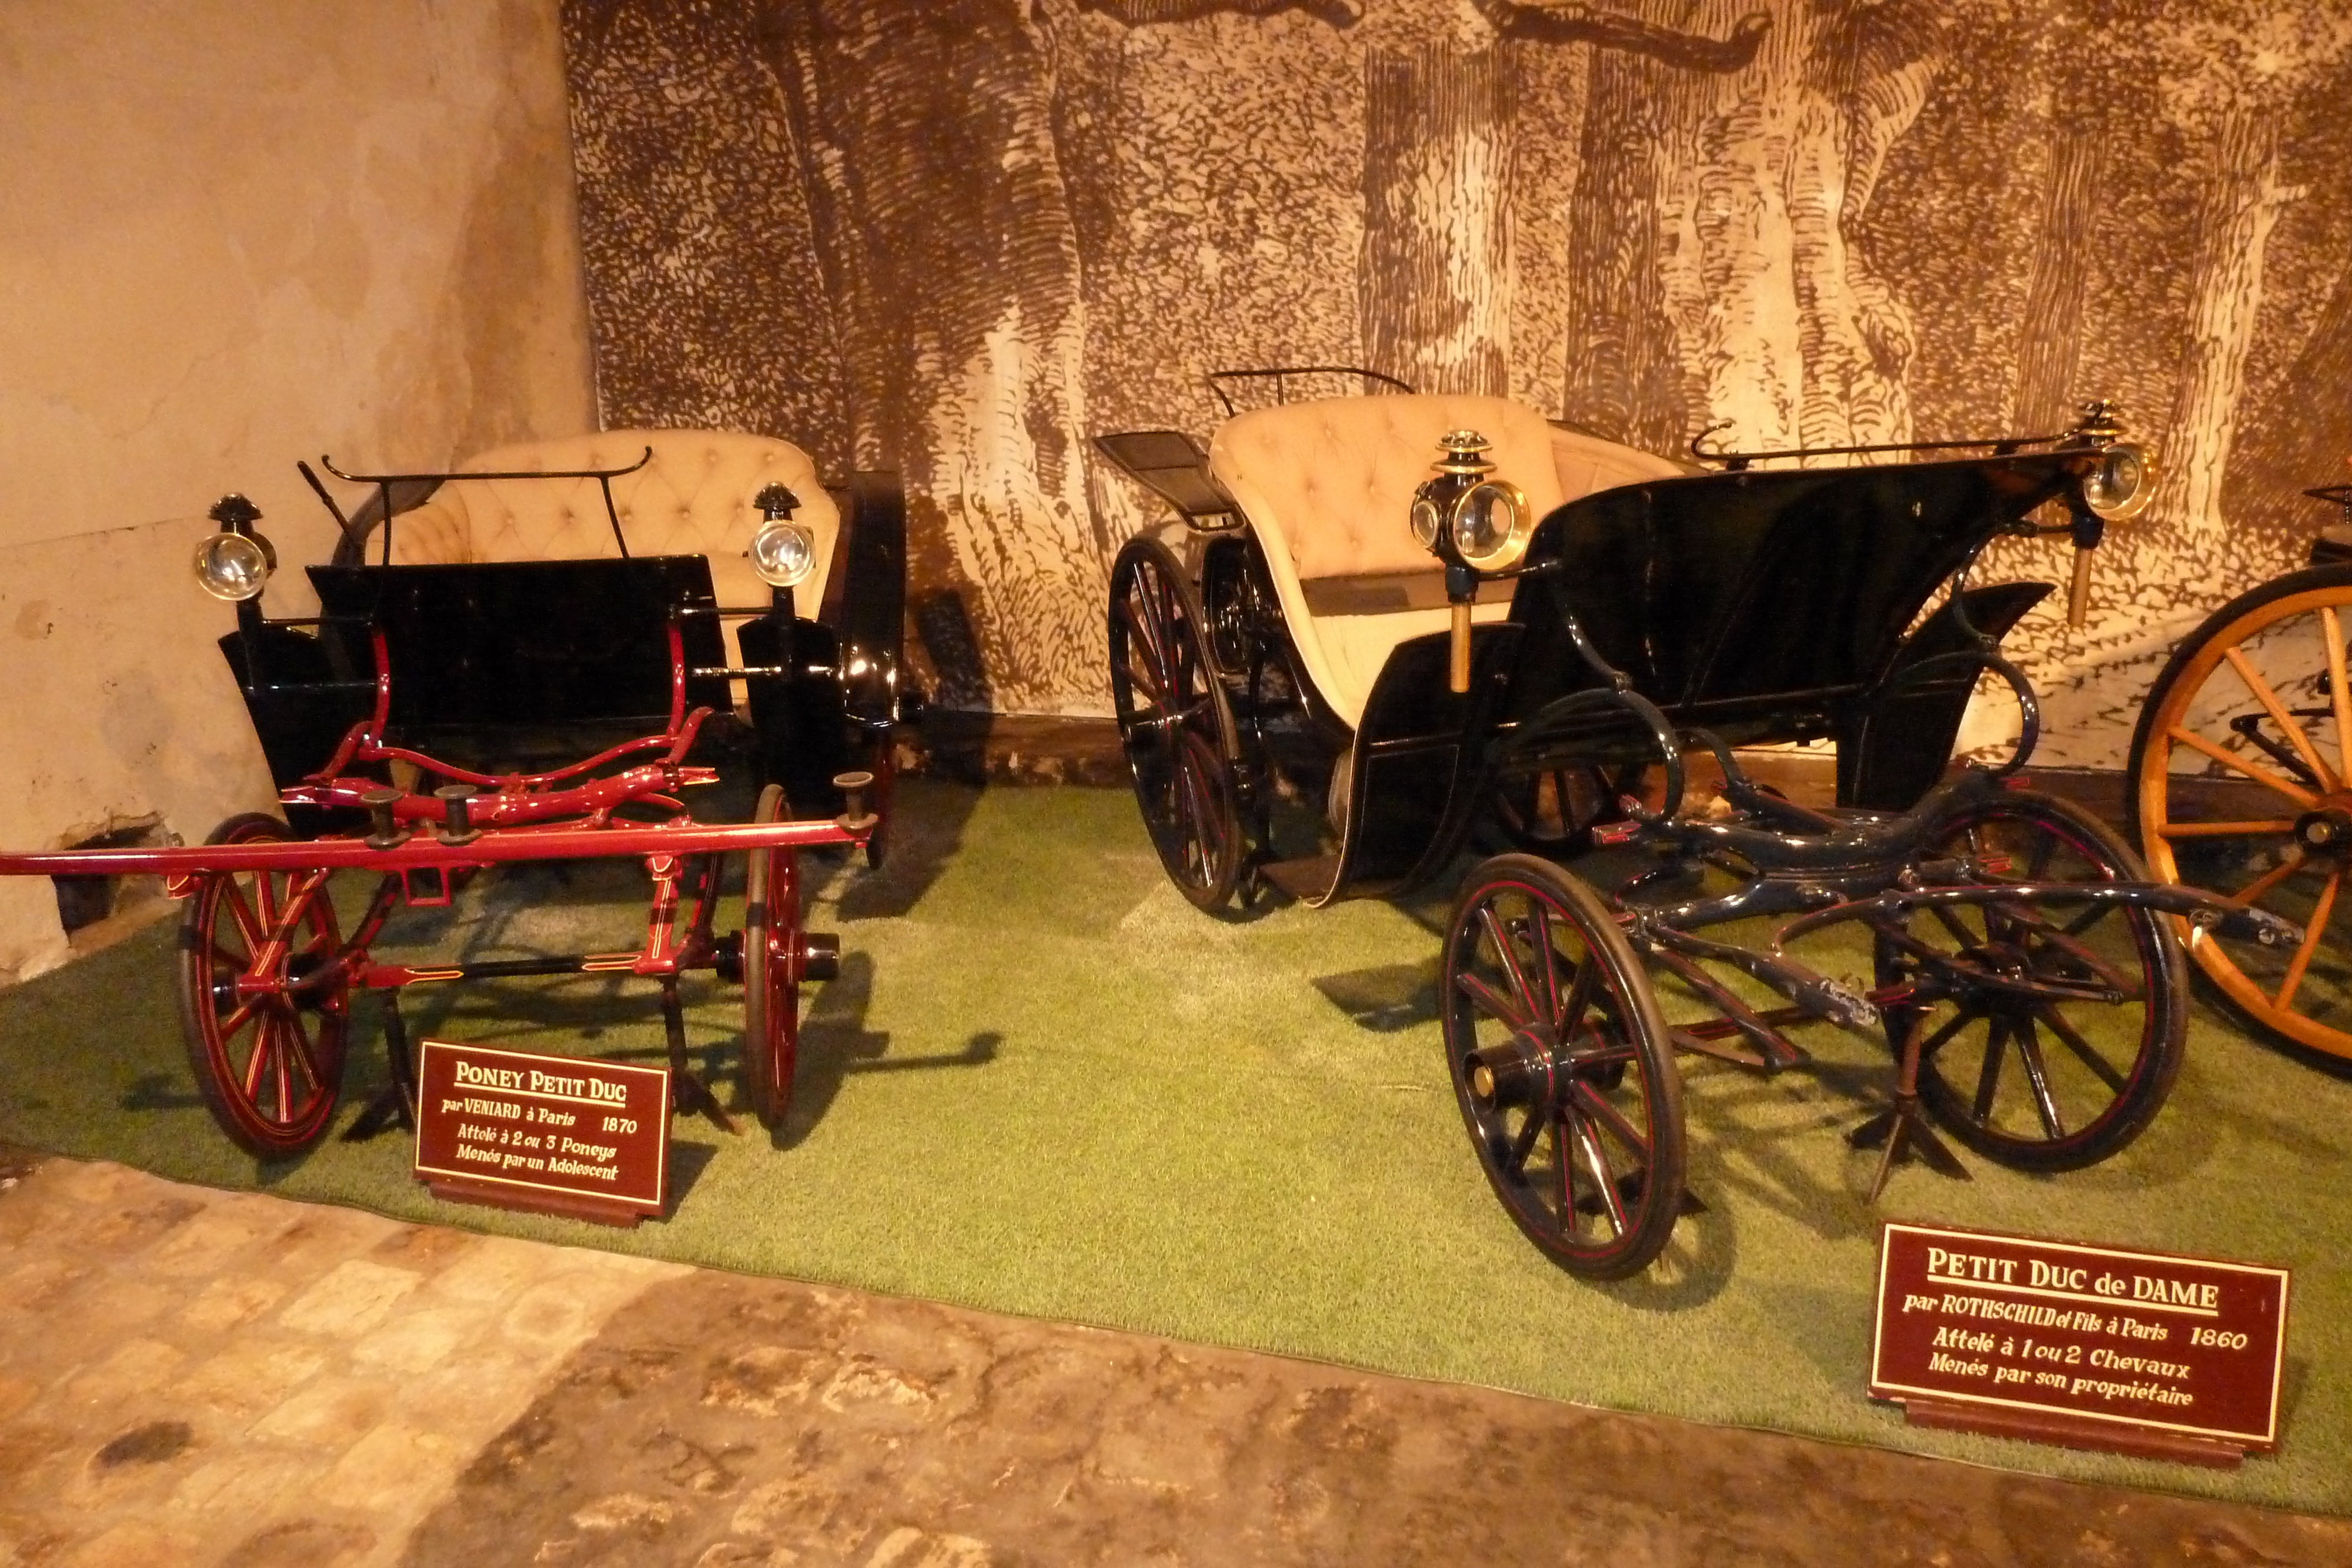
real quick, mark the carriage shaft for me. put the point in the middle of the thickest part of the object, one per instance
(375, 977)
(2222, 916)
(425, 852)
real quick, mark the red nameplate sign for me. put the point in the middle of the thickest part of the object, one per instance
(2138, 1353)
(560, 1134)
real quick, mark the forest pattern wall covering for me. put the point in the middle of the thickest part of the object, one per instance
(956, 237)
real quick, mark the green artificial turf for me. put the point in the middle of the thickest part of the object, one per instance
(1044, 1085)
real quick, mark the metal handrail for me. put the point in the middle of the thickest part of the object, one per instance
(384, 482)
(1279, 372)
(1998, 445)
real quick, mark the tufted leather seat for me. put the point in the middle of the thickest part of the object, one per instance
(1326, 485)
(693, 497)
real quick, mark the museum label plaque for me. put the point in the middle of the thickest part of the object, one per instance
(559, 1134)
(2139, 1353)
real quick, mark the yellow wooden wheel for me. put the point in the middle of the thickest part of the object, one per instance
(2241, 785)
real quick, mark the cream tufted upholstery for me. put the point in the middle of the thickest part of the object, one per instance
(1587, 464)
(693, 498)
(1326, 485)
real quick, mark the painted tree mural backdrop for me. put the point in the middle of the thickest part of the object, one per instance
(956, 237)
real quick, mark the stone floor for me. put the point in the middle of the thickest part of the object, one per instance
(191, 1377)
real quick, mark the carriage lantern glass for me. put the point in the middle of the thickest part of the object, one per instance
(1465, 517)
(235, 564)
(1491, 525)
(783, 551)
(2122, 483)
(1426, 521)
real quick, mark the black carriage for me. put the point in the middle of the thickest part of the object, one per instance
(1525, 646)
(792, 595)
(514, 693)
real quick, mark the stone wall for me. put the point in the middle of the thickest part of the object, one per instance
(240, 233)
(959, 237)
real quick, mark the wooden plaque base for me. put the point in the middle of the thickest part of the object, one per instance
(2046, 1426)
(568, 1206)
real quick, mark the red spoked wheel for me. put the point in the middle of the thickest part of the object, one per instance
(264, 999)
(771, 970)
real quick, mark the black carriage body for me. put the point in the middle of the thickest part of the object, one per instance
(1766, 607)
(489, 660)
(499, 645)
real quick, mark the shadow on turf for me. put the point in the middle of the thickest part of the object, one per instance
(1386, 998)
(161, 1092)
(833, 1042)
(925, 832)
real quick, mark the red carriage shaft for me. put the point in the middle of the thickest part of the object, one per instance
(422, 852)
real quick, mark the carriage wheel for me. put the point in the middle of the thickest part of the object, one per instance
(771, 970)
(2049, 1036)
(263, 1002)
(1175, 723)
(1562, 1068)
(2238, 787)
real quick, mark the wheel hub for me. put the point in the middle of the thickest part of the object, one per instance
(1973, 968)
(2004, 958)
(249, 984)
(2326, 829)
(1519, 1070)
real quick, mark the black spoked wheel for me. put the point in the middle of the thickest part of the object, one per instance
(1175, 723)
(771, 970)
(2049, 1035)
(263, 999)
(1562, 1067)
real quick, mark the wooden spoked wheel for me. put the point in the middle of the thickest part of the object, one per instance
(2241, 785)
(771, 970)
(1562, 1068)
(263, 999)
(2050, 1034)
(1175, 723)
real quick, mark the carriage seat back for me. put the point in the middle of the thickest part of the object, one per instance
(694, 496)
(1332, 479)
(1326, 485)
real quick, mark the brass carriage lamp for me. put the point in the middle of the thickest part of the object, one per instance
(235, 564)
(783, 551)
(2119, 485)
(1474, 524)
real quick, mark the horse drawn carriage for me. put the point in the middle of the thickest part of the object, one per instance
(1525, 645)
(535, 599)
